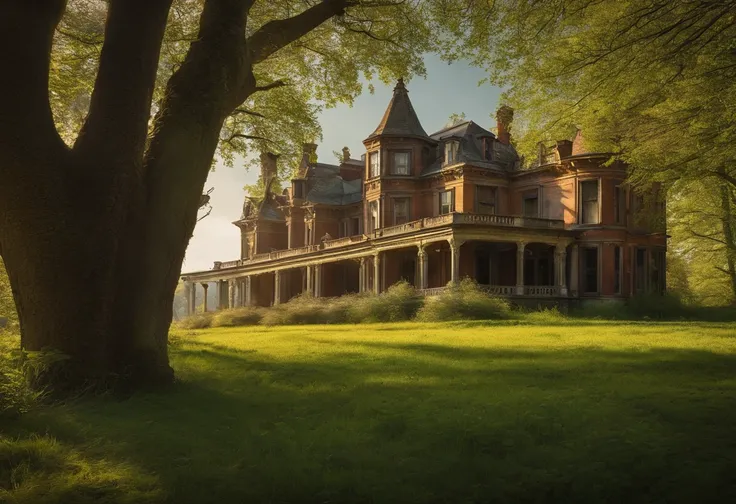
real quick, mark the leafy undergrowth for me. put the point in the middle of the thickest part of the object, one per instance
(469, 411)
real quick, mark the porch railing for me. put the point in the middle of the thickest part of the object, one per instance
(541, 290)
(499, 290)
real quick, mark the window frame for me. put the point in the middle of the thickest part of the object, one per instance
(449, 143)
(619, 204)
(527, 195)
(581, 202)
(585, 267)
(451, 205)
(478, 203)
(618, 261)
(393, 170)
(377, 156)
(377, 224)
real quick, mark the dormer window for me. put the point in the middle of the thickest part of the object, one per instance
(297, 189)
(452, 148)
(374, 165)
(487, 149)
(400, 165)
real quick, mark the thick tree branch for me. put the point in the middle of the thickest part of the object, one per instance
(274, 35)
(121, 101)
(26, 33)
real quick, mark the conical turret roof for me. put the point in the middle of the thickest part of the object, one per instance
(400, 118)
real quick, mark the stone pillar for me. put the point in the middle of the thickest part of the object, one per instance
(560, 269)
(361, 276)
(310, 289)
(318, 280)
(423, 259)
(454, 260)
(276, 288)
(248, 295)
(205, 286)
(231, 294)
(520, 268)
(377, 273)
(188, 297)
(574, 263)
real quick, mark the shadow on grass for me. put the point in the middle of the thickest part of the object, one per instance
(372, 421)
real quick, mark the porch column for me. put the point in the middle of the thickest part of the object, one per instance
(318, 280)
(454, 260)
(248, 295)
(361, 276)
(276, 288)
(309, 290)
(231, 294)
(188, 297)
(423, 266)
(520, 268)
(560, 266)
(377, 273)
(205, 286)
(574, 263)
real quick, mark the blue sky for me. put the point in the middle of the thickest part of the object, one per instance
(447, 89)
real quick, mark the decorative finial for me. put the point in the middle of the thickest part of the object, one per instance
(400, 86)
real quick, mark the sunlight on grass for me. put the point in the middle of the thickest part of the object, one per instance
(404, 412)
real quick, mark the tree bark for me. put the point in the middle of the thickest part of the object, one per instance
(94, 236)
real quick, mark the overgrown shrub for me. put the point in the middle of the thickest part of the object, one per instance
(400, 302)
(546, 316)
(244, 316)
(197, 321)
(303, 309)
(464, 301)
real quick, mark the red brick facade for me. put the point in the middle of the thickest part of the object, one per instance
(432, 209)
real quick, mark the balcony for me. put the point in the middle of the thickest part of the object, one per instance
(503, 290)
(452, 219)
(470, 219)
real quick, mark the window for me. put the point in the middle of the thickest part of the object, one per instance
(451, 151)
(485, 200)
(373, 158)
(590, 270)
(297, 187)
(488, 148)
(447, 202)
(530, 204)
(307, 234)
(656, 270)
(617, 269)
(373, 215)
(401, 211)
(354, 226)
(401, 163)
(619, 205)
(640, 277)
(589, 202)
(343, 229)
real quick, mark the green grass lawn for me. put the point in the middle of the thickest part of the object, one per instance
(447, 412)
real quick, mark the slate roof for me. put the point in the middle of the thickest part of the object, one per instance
(400, 118)
(327, 187)
(470, 136)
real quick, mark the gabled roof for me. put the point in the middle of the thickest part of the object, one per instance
(400, 119)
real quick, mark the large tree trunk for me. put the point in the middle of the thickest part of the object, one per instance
(94, 236)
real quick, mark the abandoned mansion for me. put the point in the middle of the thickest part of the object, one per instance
(433, 209)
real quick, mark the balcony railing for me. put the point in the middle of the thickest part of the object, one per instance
(343, 242)
(541, 290)
(408, 228)
(503, 290)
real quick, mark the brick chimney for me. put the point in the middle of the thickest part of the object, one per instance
(504, 117)
(268, 166)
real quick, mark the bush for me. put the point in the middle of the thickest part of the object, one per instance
(399, 303)
(237, 317)
(303, 309)
(546, 316)
(665, 306)
(464, 301)
(197, 321)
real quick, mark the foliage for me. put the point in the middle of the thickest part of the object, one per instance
(237, 317)
(16, 393)
(464, 301)
(399, 302)
(7, 304)
(197, 321)
(406, 412)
